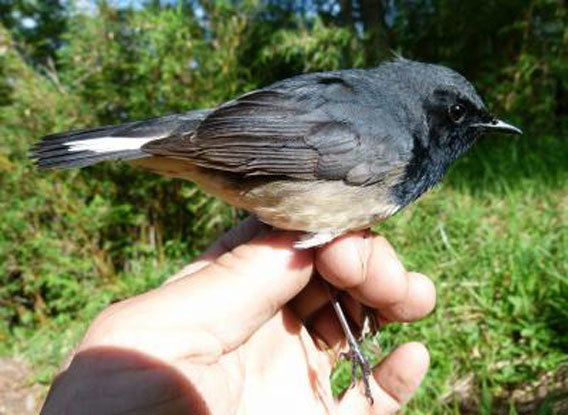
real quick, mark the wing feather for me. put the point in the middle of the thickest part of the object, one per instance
(297, 130)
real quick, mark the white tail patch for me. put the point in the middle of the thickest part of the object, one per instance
(109, 144)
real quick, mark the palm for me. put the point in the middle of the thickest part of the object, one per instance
(279, 370)
(226, 336)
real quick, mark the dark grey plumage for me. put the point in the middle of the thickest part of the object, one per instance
(312, 127)
(380, 136)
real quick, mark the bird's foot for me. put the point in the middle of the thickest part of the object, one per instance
(358, 360)
(355, 355)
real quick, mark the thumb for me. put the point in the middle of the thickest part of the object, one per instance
(215, 309)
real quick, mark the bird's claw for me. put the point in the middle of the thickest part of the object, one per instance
(358, 360)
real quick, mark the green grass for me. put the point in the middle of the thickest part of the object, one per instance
(494, 240)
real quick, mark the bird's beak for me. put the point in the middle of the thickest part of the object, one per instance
(498, 126)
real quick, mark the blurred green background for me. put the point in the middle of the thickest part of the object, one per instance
(493, 236)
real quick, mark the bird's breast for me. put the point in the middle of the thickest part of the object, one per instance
(316, 206)
(291, 204)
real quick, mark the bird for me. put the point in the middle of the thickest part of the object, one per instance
(324, 153)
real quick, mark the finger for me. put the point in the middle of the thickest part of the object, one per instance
(369, 269)
(316, 295)
(311, 299)
(420, 300)
(366, 266)
(393, 383)
(243, 232)
(312, 305)
(402, 371)
(325, 323)
(385, 281)
(215, 310)
(343, 262)
(325, 326)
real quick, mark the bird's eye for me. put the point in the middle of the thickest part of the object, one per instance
(457, 113)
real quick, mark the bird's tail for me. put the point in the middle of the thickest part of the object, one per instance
(120, 142)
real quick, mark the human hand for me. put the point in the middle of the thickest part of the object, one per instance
(248, 329)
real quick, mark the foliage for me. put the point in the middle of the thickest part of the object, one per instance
(37, 25)
(72, 242)
(312, 49)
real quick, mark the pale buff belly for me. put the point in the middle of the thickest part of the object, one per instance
(309, 206)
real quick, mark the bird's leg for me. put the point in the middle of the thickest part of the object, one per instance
(354, 354)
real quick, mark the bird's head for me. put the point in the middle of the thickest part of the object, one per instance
(449, 111)
(455, 114)
(445, 115)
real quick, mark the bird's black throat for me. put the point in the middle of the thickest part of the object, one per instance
(428, 166)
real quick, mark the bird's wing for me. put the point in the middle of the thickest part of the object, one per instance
(304, 130)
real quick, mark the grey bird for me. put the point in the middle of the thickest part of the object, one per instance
(323, 153)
